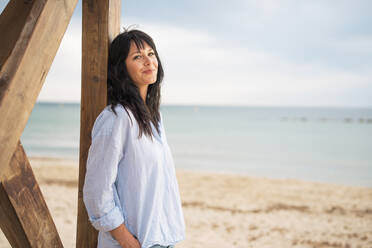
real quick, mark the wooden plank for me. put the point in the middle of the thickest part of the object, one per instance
(17, 16)
(27, 206)
(25, 61)
(101, 23)
(10, 224)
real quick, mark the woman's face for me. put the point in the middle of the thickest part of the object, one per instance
(142, 65)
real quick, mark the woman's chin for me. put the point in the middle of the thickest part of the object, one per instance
(151, 81)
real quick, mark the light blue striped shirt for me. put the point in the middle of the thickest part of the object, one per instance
(132, 180)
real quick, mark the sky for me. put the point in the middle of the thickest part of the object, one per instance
(242, 52)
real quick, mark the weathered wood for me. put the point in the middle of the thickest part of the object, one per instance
(17, 17)
(25, 61)
(28, 213)
(10, 224)
(101, 23)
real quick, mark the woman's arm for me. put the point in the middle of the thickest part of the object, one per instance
(108, 136)
(124, 237)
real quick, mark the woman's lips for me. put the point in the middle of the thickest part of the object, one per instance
(148, 71)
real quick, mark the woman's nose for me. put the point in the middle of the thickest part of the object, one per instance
(147, 60)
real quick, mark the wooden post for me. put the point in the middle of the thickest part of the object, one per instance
(10, 224)
(101, 23)
(28, 222)
(32, 31)
(37, 28)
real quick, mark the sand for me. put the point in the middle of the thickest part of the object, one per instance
(236, 211)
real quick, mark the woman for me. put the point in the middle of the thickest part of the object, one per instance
(131, 191)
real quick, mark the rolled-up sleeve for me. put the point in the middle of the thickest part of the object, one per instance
(108, 140)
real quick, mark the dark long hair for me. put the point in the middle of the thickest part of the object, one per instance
(122, 90)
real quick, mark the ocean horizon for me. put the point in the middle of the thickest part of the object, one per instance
(321, 144)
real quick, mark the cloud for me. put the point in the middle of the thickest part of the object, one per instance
(63, 82)
(202, 67)
(200, 71)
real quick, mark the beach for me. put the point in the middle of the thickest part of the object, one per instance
(230, 210)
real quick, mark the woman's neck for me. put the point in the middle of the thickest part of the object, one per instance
(143, 92)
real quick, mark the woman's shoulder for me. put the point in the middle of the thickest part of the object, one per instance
(120, 113)
(108, 119)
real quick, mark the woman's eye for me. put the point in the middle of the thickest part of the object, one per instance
(137, 57)
(151, 54)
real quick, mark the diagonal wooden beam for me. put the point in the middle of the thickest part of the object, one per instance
(31, 33)
(28, 222)
(101, 23)
(9, 222)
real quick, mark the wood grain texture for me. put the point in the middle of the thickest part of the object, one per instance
(101, 23)
(10, 224)
(25, 61)
(16, 14)
(28, 214)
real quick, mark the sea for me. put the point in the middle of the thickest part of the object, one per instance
(332, 145)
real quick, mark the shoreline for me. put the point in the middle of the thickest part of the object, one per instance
(47, 161)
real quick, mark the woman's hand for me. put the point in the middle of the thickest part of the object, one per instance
(130, 242)
(124, 237)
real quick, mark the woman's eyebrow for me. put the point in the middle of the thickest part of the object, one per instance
(138, 51)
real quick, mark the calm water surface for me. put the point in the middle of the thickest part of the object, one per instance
(315, 144)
